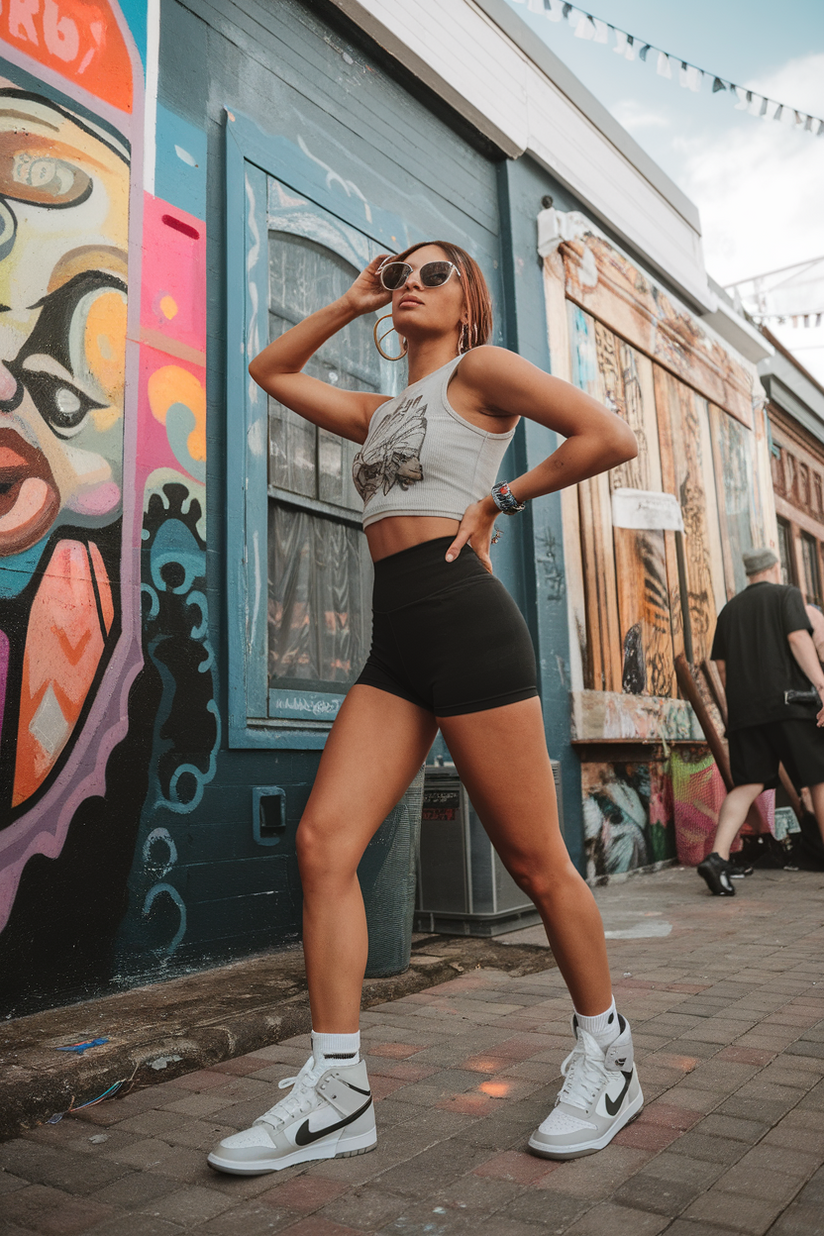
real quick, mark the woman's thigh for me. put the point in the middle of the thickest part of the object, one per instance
(374, 749)
(503, 761)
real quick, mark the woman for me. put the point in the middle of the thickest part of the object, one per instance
(449, 650)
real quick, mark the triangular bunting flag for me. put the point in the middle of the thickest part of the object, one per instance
(593, 29)
(690, 77)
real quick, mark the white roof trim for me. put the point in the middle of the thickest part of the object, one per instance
(485, 74)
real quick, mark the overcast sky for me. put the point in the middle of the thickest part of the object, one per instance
(759, 186)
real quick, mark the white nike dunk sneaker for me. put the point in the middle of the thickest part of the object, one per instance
(600, 1094)
(327, 1115)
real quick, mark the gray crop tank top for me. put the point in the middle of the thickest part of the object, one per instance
(421, 458)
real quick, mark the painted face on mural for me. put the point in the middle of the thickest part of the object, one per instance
(63, 252)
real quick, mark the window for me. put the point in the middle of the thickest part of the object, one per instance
(319, 573)
(300, 224)
(302, 582)
(785, 551)
(812, 576)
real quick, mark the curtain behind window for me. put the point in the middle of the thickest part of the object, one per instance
(320, 579)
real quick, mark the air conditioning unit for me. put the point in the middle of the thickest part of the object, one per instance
(463, 887)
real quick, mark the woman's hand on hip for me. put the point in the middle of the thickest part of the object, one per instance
(476, 529)
(367, 293)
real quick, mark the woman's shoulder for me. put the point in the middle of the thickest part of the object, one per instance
(488, 359)
(489, 367)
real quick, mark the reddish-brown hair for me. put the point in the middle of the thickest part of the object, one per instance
(476, 293)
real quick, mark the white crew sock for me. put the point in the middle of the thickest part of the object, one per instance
(343, 1048)
(604, 1028)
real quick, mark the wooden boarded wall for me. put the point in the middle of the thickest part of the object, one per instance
(696, 411)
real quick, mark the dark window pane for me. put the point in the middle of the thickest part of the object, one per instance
(812, 584)
(304, 276)
(784, 551)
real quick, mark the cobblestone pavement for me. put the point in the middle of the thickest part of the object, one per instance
(726, 999)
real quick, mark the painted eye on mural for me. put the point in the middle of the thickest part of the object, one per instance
(36, 174)
(63, 407)
(73, 360)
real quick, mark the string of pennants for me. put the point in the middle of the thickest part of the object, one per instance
(793, 319)
(690, 76)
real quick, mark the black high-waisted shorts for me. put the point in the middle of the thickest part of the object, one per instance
(447, 635)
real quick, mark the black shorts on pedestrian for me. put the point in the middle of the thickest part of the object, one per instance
(757, 750)
(447, 636)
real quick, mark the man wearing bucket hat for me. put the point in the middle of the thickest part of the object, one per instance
(763, 648)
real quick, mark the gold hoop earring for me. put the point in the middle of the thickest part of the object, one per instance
(379, 340)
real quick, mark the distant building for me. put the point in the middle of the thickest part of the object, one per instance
(796, 414)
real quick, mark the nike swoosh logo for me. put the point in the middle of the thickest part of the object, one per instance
(305, 1136)
(612, 1105)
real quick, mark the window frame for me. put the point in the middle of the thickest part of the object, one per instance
(251, 152)
(785, 541)
(811, 564)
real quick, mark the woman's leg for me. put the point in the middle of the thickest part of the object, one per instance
(376, 746)
(502, 759)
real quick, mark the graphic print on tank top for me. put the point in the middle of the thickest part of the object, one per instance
(392, 456)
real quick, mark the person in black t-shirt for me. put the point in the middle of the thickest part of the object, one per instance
(763, 647)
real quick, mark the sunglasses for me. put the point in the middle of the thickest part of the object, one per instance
(393, 275)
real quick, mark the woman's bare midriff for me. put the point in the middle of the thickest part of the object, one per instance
(397, 532)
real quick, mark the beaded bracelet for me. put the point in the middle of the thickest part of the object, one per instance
(505, 500)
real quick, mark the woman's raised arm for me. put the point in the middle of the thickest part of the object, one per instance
(278, 368)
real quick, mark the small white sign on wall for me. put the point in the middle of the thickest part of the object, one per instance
(647, 510)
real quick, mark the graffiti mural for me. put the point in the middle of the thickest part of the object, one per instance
(628, 817)
(102, 423)
(64, 219)
(70, 642)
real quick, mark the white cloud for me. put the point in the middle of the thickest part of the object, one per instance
(798, 83)
(634, 116)
(759, 188)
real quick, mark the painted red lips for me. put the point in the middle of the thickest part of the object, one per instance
(29, 499)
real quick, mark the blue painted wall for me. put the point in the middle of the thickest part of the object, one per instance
(162, 860)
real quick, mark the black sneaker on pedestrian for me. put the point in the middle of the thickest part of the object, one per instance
(717, 873)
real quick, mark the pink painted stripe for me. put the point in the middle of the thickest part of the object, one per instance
(4, 672)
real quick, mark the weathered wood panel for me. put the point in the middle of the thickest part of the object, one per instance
(637, 614)
(686, 461)
(640, 557)
(604, 641)
(605, 283)
(558, 338)
(733, 453)
(644, 611)
(603, 629)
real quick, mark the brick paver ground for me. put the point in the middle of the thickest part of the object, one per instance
(727, 1009)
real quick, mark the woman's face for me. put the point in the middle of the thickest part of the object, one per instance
(418, 312)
